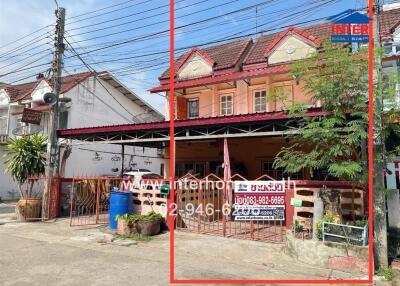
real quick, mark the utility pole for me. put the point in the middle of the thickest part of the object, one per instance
(379, 202)
(52, 146)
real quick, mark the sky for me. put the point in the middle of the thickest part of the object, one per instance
(130, 38)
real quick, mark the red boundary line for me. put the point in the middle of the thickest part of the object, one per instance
(171, 219)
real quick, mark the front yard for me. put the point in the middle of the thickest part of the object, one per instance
(53, 253)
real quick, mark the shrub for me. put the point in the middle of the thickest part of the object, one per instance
(328, 217)
(386, 272)
(132, 218)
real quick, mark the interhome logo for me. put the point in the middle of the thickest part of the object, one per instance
(353, 28)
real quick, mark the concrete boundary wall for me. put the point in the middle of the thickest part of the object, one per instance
(338, 256)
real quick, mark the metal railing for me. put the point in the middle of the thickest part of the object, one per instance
(346, 231)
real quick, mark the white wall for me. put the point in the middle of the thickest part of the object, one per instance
(88, 110)
(81, 162)
(8, 189)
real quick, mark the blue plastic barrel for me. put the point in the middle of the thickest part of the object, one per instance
(120, 204)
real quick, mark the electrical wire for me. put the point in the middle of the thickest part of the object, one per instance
(91, 69)
(148, 36)
(25, 36)
(101, 9)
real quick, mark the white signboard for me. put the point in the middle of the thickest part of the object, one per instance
(259, 200)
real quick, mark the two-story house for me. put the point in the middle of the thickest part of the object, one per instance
(229, 91)
(231, 84)
(86, 99)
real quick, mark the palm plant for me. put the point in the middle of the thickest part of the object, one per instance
(26, 157)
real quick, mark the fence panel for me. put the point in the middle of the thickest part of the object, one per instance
(349, 233)
(201, 208)
(89, 200)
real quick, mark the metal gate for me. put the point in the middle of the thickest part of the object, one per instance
(201, 209)
(89, 200)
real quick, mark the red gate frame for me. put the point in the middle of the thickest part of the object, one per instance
(171, 218)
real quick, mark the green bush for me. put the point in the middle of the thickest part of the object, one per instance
(132, 218)
(328, 217)
(359, 223)
(298, 227)
(386, 272)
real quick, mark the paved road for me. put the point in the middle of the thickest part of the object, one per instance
(55, 254)
(7, 208)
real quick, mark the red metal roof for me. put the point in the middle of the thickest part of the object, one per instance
(281, 69)
(198, 51)
(315, 33)
(291, 31)
(209, 121)
(228, 55)
(225, 55)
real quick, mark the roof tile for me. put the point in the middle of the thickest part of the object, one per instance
(23, 91)
(225, 55)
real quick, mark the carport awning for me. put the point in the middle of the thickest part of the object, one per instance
(246, 125)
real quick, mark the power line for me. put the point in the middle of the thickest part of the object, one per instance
(101, 9)
(23, 69)
(127, 16)
(183, 16)
(202, 44)
(28, 45)
(96, 77)
(145, 18)
(106, 13)
(25, 36)
(148, 36)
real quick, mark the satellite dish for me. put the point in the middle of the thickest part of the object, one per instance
(49, 98)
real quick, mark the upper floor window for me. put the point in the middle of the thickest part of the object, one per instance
(260, 101)
(193, 107)
(226, 104)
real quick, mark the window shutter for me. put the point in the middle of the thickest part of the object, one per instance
(181, 112)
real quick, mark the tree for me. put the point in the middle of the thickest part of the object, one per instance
(337, 79)
(26, 157)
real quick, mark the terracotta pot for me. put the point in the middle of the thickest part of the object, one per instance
(148, 227)
(124, 228)
(27, 209)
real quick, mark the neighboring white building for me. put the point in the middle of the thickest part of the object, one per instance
(390, 35)
(87, 100)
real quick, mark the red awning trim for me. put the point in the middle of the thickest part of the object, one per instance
(281, 69)
(151, 126)
(37, 108)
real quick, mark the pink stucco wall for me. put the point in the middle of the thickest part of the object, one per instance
(243, 95)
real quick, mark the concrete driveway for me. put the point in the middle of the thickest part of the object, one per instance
(6, 208)
(52, 253)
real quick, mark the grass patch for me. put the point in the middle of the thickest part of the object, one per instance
(135, 236)
(386, 272)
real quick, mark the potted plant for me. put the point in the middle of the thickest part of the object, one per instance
(126, 225)
(148, 225)
(25, 160)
